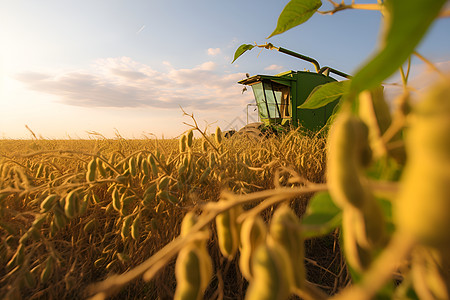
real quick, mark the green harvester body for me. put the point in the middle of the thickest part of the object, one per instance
(278, 97)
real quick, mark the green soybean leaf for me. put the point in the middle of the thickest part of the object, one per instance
(323, 94)
(407, 22)
(386, 207)
(241, 50)
(322, 216)
(295, 13)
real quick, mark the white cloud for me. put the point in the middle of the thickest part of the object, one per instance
(122, 82)
(274, 68)
(214, 51)
(207, 66)
(167, 63)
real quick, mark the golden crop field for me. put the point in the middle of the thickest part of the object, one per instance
(73, 212)
(357, 211)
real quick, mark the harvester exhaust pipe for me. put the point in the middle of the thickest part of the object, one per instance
(323, 70)
(301, 56)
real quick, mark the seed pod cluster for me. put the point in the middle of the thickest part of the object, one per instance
(189, 138)
(48, 270)
(348, 153)
(132, 166)
(422, 208)
(218, 135)
(92, 168)
(126, 226)
(85, 203)
(163, 183)
(253, 235)
(152, 162)
(126, 200)
(149, 195)
(21, 177)
(48, 202)
(182, 143)
(191, 280)
(145, 166)
(136, 227)
(39, 220)
(204, 175)
(212, 159)
(269, 266)
(71, 206)
(189, 220)
(363, 221)
(193, 269)
(286, 231)
(101, 169)
(60, 219)
(227, 232)
(116, 203)
(204, 146)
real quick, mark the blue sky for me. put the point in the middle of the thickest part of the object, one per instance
(72, 67)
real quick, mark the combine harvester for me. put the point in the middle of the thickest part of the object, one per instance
(278, 98)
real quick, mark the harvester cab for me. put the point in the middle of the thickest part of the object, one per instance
(278, 97)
